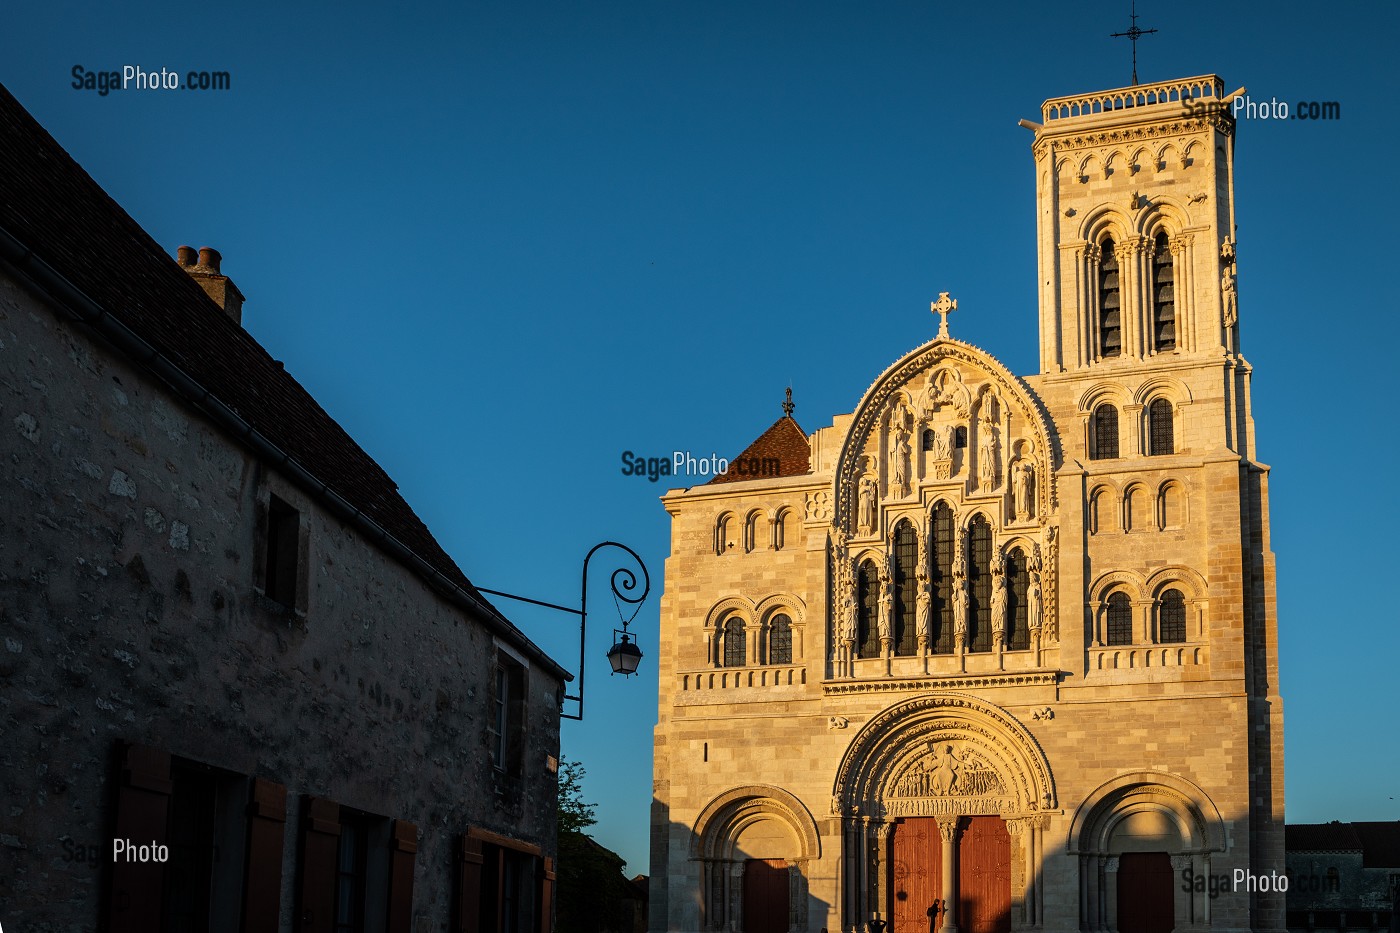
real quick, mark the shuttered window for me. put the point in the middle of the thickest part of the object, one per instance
(1163, 295)
(1110, 311)
(1161, 439)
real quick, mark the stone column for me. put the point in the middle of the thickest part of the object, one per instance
(1110, 892)
(948, 830)
(1183, 901)
(735, 921)
(1020, 846)
(882, 864)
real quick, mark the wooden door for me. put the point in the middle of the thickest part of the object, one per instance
(765, 896)
(917, 876)
(1145, 897)
(984, 876)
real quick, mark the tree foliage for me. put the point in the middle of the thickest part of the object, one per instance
(574, 814)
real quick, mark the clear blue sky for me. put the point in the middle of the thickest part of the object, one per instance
(504, 242)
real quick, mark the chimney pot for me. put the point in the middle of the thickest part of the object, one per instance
(209, 257)
(185, 255)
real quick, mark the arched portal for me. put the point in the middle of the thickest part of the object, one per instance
(754, 844)
(1134, 836)
(946, 780)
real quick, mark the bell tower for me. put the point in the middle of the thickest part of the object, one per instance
(1135, 198)
(1135, 243)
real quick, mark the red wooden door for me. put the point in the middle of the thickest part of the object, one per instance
(765, 896)
(917, 870)
(984, 876)
(1145, 899)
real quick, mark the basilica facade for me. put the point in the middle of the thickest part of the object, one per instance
(994, 651)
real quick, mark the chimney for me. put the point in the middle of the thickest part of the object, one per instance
(204, 269)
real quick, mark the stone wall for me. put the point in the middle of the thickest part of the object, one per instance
(130, 611)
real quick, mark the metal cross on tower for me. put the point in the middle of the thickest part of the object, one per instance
(1133, 34)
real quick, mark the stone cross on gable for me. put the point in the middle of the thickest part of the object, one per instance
(942, 307)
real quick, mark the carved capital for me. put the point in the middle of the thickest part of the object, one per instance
(948, 829)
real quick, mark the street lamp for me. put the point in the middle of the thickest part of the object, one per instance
(624, 656)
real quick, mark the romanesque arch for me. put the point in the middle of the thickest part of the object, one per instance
(943, 753)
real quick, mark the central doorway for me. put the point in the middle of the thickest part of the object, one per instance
(983, 876)
(917, 869)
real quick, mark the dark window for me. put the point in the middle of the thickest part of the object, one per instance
(207, 833)
(906, 583)
(1160, 436)
(508, 716)
(734, 637)
(1171, 617)
(280, 570)
(351, 873)
(1018, 580)
(780, 640)
(1110, 317)
(979, 578)
(508, 893)
(722, 535)
(941, 576)
(1118, 620)
(960, 436)
(928, 439)
(1103, 433)
(867, 609)
(1163, 296)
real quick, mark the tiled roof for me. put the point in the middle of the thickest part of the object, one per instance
(1378, 843)
(784, 444)
(65, 219)
(1320, 837)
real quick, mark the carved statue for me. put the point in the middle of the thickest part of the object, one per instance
(1227, 251)
(868, 493)
(1023, 481)
(924, 610)
(999, 594)
(987, 457)
(901, 465)
(960, 607)
(1228, 298)
(848, 617)
(943, 776)
(886, 607)
(1033, 602)
(943, 442)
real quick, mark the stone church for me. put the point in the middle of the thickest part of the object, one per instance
(999, 652)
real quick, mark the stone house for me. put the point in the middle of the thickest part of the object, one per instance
(993, 651)
(244, 689)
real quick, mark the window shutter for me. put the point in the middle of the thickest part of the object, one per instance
(469, 862)
(546, 895)
(143, 806)
(320, 848)
(403, 852)
(267, 828)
